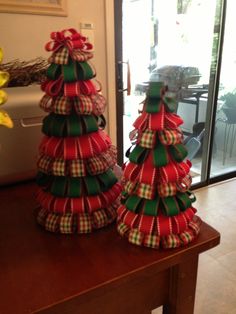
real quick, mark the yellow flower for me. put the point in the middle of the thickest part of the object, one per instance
(5, 119)
(3, 97)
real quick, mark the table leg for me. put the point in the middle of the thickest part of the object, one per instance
(183, 278)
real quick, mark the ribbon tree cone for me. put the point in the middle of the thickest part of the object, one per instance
(156, 205)
(5, 119)
(78, 190)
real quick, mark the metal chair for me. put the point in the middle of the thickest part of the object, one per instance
(230, 131)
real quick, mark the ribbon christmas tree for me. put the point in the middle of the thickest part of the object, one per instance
(78, 191)
(156, 204)
(5, 119)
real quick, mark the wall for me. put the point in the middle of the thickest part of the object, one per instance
(23, 36)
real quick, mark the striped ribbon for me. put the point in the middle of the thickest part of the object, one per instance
(53, 88)
(172, 120)
(78, 204)
(80, 87)
(173, 171)
(164, 225)
(85, 146)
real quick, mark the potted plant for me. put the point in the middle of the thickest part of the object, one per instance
(229, 106)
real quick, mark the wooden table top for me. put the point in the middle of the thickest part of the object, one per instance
(39, 269)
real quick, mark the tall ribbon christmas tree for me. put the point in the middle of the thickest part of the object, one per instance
(156, 209)
(78, 191)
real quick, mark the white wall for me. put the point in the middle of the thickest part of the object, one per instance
(23, 37)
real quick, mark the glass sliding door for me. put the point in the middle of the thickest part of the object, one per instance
(223, 159)
(172, 41)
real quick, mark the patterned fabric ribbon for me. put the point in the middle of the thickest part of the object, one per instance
(78, 204)
(85, 146)
(53, 88)
(164, 225)
(78, 167)
(69, 125)
(75, 71)
(80, 87)
(83, 104)
(173, 171)
(170, 137)
(72, 186)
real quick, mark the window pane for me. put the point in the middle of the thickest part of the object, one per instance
(224, 152)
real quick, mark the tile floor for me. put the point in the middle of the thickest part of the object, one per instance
(216, 284)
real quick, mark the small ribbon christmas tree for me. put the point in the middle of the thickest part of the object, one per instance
(78, 191)
(156, 209)
(5, 119)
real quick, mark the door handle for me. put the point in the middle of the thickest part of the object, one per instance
(120, 77)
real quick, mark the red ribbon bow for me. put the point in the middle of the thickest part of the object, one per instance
(69, 38)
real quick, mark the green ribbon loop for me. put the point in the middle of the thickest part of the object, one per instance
(155, 89)
(170, 103)
(150, 207)
(92, 185)
(69, 71)
(70, 125)
(153, 105)
(74, 126)
(191, 196)
(184, 201)
(42, 179)
(53, 125)
(171, 206)
(160, 156)
(75, 71)
(133, 203)
(84, 71)
(90, 123)
(108, 179)
(57, 125)
(58, 186)
(178, 152)
(138, 154)
(53, 71)
(74, 187)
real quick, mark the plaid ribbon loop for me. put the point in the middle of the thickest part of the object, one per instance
(78, 167)
(75, 223)
(167, 189)
(59, 104)
(147, 139)
(45, 103)
(184, 184)
(170, 137)
(149, 236)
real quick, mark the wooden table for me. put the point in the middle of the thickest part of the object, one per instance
(99, 273)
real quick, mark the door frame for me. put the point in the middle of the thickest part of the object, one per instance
(113, 18)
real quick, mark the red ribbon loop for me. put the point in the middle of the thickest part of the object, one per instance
(69, 38)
